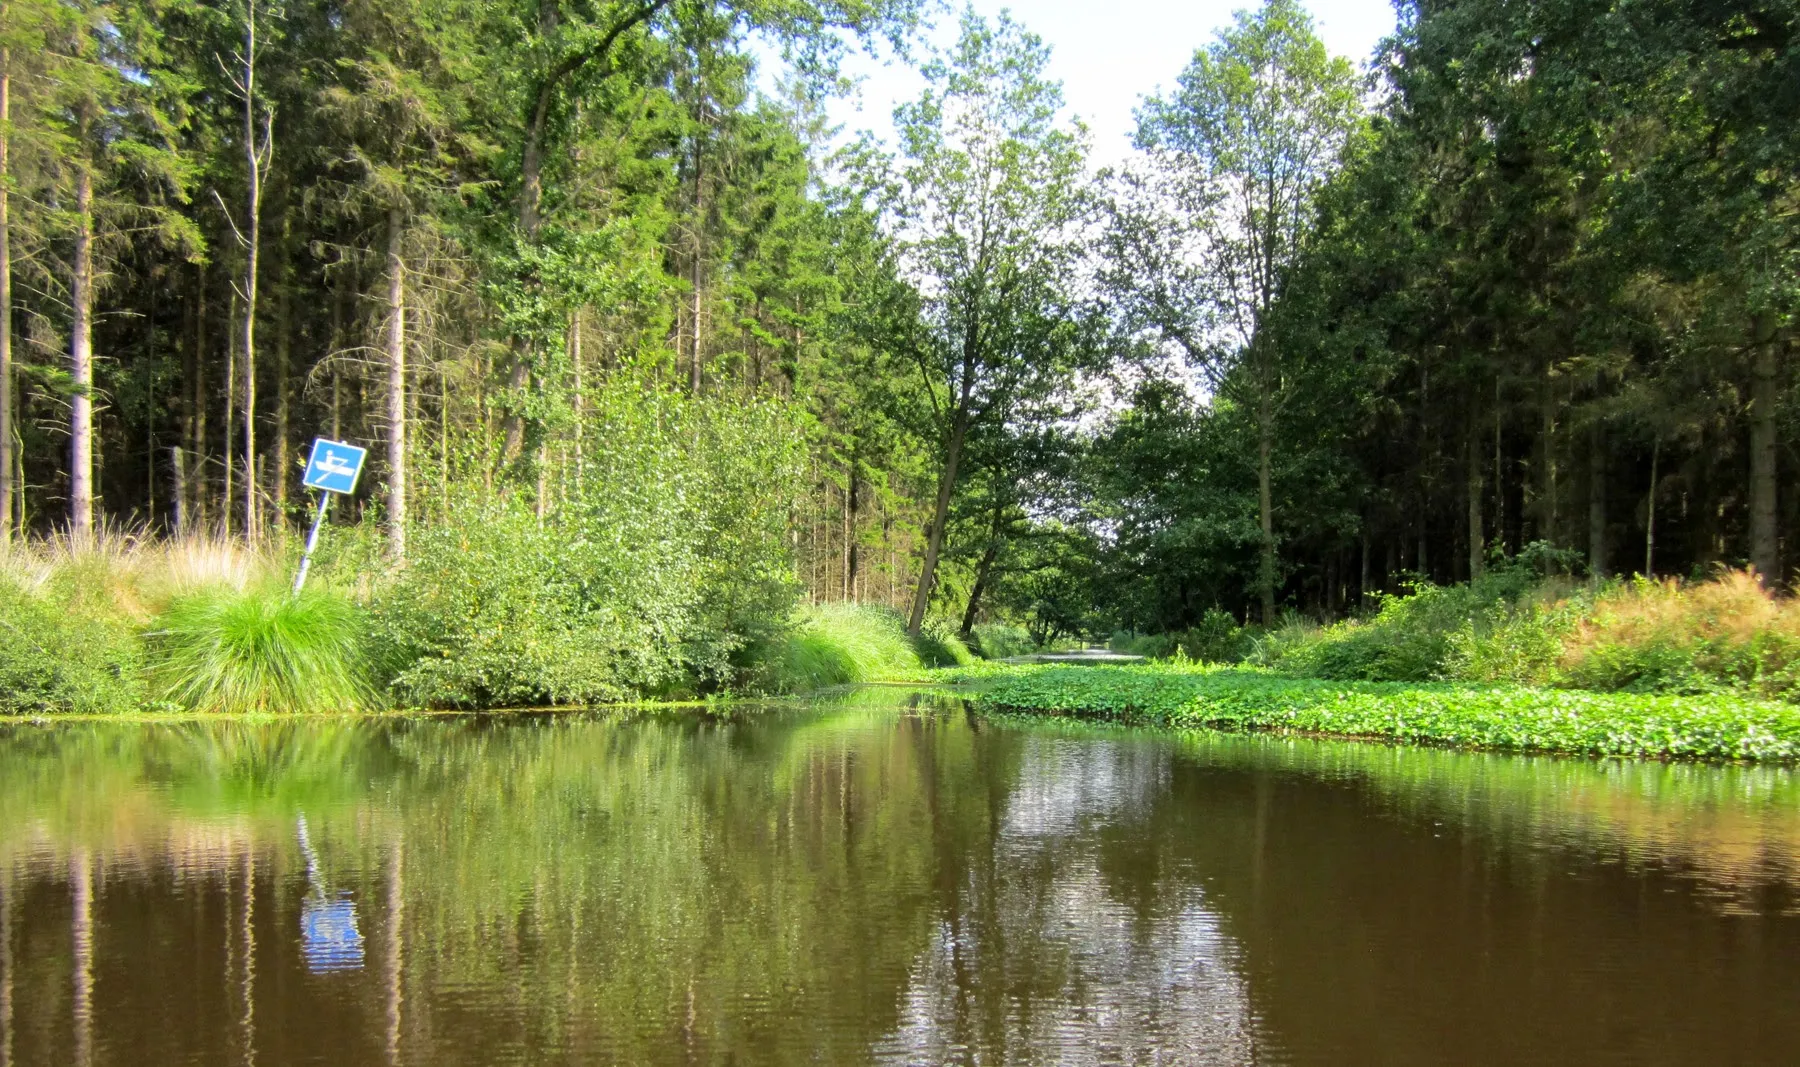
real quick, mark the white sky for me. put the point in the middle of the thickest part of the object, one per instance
(1108, 54)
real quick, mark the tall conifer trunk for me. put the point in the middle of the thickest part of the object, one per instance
(81, 341)
(1765, 395)
(1477, 534)
(6, 368)
(396, 398)
(1597, 560)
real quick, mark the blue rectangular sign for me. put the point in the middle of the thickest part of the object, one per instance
(334, 466)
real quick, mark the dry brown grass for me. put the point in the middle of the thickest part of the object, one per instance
(1729, 628)
(128, 573)
(1733, 607)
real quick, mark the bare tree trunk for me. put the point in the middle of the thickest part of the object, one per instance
(1650, 510)
(337, 376)
(580, 401)
(940, 515)
(255, 156)
(81, 351)
(1477, 542)
(231, 353)
(283, 429)
(178, 465)
(1265, 446)
(197, 402)
(1765, 548)
(982, 571)
(852, 551)
(1597, 561)
(396, 398)
(6, 303)
(698, 278)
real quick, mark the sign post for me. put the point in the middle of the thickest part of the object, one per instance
(332, 469)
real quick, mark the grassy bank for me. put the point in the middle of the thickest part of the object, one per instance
(1711, 726)
(495, 613)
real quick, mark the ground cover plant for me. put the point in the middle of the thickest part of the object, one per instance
(1502, 717)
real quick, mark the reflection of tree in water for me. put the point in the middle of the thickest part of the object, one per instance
(1044, 959)
(873, 874)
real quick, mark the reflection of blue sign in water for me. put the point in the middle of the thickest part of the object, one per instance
(328, 935)
(334, 466)
(329, 938)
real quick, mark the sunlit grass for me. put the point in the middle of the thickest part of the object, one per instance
(837, 644)
(260, 649)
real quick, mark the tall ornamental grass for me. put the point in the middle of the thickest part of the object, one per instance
(260, 650)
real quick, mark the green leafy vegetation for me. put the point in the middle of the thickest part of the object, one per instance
(998, 640)
(1503, 717)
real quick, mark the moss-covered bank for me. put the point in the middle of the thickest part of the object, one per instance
(1499, 717)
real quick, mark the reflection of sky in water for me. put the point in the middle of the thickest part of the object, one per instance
(1081, 977)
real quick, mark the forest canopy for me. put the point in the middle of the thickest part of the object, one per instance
(641, 346)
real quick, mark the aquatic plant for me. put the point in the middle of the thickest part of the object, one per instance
(260, 649)
(1711, 726)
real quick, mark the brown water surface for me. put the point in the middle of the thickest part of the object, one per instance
(879, 877)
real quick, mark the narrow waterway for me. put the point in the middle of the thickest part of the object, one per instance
(882, 877)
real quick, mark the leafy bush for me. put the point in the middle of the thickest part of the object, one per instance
(261, 649)
(835, 644)
(65, 648)
(996, 640)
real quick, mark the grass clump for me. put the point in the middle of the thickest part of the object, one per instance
(835, 644)
(942, 650)
(260, 650)
(1502, 717)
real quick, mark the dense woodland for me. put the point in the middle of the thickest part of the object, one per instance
(586, 284)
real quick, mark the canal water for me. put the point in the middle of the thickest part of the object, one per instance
(877, 877)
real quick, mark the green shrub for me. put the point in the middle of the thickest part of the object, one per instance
(655, 576)
(834, 644)
(261, 649)
(996, 640)
(65, 648)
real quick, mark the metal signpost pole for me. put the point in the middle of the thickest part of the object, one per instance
(312, 540)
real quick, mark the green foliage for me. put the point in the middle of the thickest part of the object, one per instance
(652, 577)
(835, 644)
(261, 649)
(65, 648)
(1409, 639)
(1217, 638)
(943, 649)
(998, 640)
(1616, 724)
